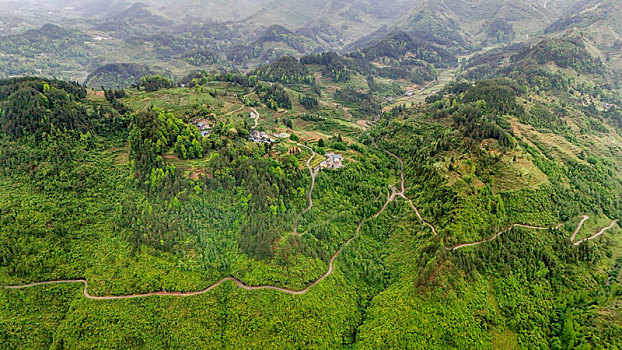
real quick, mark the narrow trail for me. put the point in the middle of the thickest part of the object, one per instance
(572, 238)
(256, 118)
(574, 234)
(613, 223)
(310, 193)
(402, 193)
(239, 283)
(464, 245)
(237, 110)
(392, 196)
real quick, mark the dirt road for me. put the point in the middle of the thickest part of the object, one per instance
(392, 196)
(572, 238)
(310, 193)
(239, 283)
(256, 118)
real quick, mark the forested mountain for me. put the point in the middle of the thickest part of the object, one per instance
(118, 75)
(134, 21)
(598, 21)
(463, 23)
(51, 48)
(310, 175)
(163, 34)
(214, 10)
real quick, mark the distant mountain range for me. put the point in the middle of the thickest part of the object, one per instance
(601, 23)
(245, 33)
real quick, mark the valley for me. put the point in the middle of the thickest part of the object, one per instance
(318, 175)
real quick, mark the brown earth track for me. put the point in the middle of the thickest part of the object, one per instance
(310, 193)
(390, 198)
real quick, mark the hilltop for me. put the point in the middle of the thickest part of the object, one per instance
(596, 21)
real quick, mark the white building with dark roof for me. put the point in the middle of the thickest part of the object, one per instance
(333, 161)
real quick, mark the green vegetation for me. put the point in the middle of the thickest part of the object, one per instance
(155, 83)
(286, 70)
(53, 48)
(534, 284)
(119, 75)
(565, 53)
(177, 211)
(201, 58)
(35, 107)
(400, 44)
(393, 196)
(364, 104)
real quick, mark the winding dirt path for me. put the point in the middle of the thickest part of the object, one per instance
(256, 118)
(174, 294)
(574, 234)
(390, 198)
(310, 193)
(402, 192)
(235, 111)
(464, 245)
(572, 238)
(239, 283)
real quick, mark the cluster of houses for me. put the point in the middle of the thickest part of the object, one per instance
(204, 126)
(260, 137)
(605, 105)
(408, 93)
(333, 161)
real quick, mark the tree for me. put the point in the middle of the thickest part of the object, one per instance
(309, 102)
(155, 83)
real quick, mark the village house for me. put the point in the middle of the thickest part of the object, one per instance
(204, 126)
(333, 161)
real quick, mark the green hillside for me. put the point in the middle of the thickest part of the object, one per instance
(122, 190)
(311, 175)
(598, 22)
